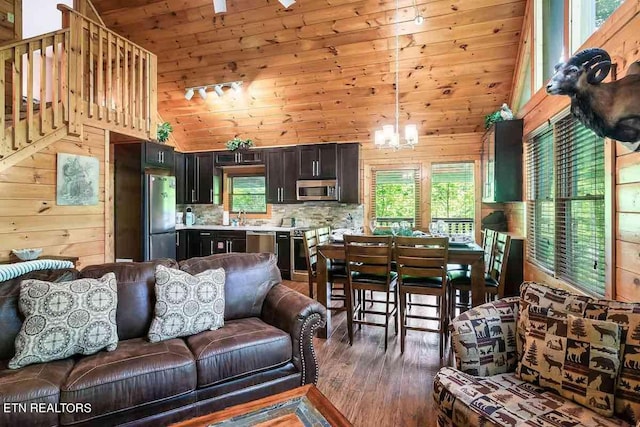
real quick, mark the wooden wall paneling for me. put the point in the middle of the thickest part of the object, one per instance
(324, 72)
(30, 217)
(619, 36)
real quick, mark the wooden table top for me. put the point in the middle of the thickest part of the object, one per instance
(472, 248)
(301, 407)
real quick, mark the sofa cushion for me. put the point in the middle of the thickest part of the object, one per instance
(136, 373)
(242, 347)
(66, 318)
(545, 296)
(136, 293)
(10, 316)
(32, 384)
(577, 357)
(504, 400)
(627, 315)
(484, 338)
(186, 304)
(249, 277)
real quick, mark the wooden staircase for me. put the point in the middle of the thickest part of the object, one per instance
(55, 83)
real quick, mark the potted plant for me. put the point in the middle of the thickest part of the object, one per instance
(164, 130)
(239, 144)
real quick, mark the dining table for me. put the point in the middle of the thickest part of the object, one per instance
(467, 254)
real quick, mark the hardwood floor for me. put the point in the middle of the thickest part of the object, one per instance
(374, 388)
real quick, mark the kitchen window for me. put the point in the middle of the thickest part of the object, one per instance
(565, 204)
(248, 194)
(453, 195)
(395, 196)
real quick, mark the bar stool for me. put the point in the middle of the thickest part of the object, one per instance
(422, 270)
(494, 280)
(369, 269)
(336, 274)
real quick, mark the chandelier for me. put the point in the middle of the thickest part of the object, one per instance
(389, 135)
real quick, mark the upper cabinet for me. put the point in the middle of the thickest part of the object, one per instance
(502, 162)
(281, 174)
(200, 180)
(238, 158)
(158, 155)
(317, 161)
(348, 173)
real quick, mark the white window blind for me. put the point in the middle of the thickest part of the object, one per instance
(565, 204)
(580, 206)
(395, 196)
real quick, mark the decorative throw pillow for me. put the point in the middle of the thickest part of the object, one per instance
(484, 338)
(186, 304)
(627, 315)
(67, 318)
(577, 357)
(532, 293)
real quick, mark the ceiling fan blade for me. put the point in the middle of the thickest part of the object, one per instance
(219, 6)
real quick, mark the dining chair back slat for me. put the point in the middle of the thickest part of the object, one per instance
(323, 235)
(488, 245)
(498, 268)
(422, 253)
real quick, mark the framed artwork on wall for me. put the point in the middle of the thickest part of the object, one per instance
(77, 180)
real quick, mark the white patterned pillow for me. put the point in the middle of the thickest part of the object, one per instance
(186, 304)
(66, 318)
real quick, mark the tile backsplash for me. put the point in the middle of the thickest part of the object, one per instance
(335, 215)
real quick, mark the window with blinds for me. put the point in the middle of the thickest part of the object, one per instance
(248, 194)
(452, 191)
(565, 204)
(580, 206)
(395, 196)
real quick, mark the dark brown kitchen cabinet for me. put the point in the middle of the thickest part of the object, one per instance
(204, 243)
(348, 185)
(182, 245)
(283, 242)
(502, 162)
(235, 158)
(317, 161)
(180, 173)
(203, 182)
(281, 174)
(158, 155)
(230, 241)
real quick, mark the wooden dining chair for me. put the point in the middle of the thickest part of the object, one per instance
(369, 269)
(337, 268)
(422, 270)
(495, 276)
(459, 279)
(336, 274)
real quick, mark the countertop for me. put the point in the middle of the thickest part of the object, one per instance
(235, 228)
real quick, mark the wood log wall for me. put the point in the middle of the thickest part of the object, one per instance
(30, 217)
(620, 37)
(323, 70)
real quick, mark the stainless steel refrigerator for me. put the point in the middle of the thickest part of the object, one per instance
(159, 217)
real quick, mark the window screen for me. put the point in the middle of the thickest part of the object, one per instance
(395, 196)
(248, 194)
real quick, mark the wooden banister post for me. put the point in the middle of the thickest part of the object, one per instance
(74, 56)
(152, 60)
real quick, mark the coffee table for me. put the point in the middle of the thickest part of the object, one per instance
(301, 407)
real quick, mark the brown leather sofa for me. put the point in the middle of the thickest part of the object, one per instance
(264, 348)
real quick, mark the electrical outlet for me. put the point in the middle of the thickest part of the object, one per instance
(11, 17)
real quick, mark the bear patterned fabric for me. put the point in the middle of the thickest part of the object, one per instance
(503, 400)
(577, 357)
(484, 338)
(532, 293)
(186, 304)
(66, 318)
(627, 315)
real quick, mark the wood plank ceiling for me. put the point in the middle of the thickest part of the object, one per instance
(324, 69)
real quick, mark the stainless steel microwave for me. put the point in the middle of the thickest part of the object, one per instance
(316, 189)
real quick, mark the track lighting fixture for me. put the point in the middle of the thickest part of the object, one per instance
(219, 6)
(218, 89)
(287, 3)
